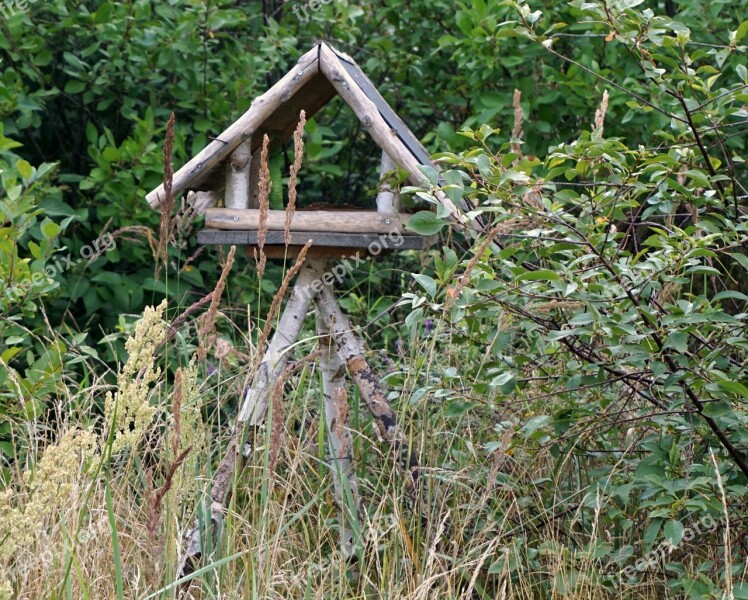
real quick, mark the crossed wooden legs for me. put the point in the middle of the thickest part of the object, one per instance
(341, 349)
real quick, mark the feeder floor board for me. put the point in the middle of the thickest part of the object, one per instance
(299, 238)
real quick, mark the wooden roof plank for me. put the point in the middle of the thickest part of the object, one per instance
(370, 117)
(395, 123)
(196, 169)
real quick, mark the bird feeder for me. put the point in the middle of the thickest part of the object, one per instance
(228, 169)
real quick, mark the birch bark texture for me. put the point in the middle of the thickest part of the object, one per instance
(351, 350)
(345, 482)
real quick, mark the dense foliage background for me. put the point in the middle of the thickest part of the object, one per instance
(573, 374)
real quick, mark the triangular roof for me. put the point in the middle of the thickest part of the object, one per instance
(319, 75)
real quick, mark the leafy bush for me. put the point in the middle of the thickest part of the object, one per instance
(612, 280)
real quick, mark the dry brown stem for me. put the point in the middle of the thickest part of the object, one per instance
(298, 155)
(517, 134)
(278, 298)
(206, 332)
(168, 203)
(263, 198)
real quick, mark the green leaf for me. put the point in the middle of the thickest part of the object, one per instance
(741, 31)
(425, 223)
(674, 532)
(731, 295)
(74, 86)
(50, 229)
(427, 283)
(534, 424)
(734, 387)
(413, 319)
(540, 275)
(742, 259)
(110, 154)
(35, 250)
(430, 173)
(650, 534)
(717, 409)
(24, 168)
(678, 340)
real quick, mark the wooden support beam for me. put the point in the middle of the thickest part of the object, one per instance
(251, 414)
(236, 195)
(189, 176)
(388, 201)
(351, 350)
(327, 221)
(345, 482)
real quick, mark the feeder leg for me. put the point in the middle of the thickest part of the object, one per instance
(341, 443)
(351, 350)
(252, 411)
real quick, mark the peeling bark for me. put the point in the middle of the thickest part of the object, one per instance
(351, 350)
(341, 442)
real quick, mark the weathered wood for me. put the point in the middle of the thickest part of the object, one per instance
(351, 350)
(395, 123)
(255, 404)
(328, 221)
(388, 201)
(202, 201)
(236, 195)
(345, 482)
(383, 134)
(315, 94)
(190, 175)
(376, 243)
(314, 252)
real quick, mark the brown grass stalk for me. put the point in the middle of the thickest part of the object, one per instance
(278, 298)
(263, 198)
(154, 512)
(454, 292)
(207, 327)
(298, 155)
(277, 420)
(517, 135)
(340, 399)
(176, 410)
(168, 203)
(600, 113)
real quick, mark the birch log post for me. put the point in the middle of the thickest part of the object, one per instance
(345, 481)
(388, 201)
(252, 413)
(237, 176)
(351, 350)
(323, 221)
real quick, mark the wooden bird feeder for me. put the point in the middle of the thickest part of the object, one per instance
(229, 168)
